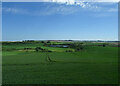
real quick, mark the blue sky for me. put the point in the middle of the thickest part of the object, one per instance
(58, 21)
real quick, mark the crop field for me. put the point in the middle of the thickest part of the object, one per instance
(91, 64)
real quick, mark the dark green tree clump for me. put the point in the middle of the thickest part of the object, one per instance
(105, 44)
(77, 46)
(48, 42)
(69, 51)
(42, 41)
(41, 49)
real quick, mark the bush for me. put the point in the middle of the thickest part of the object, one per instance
(77, 46)
(69, 51)
(48, 41)
(41, 49)
(38, 48)
(42, 41)
(27, 48)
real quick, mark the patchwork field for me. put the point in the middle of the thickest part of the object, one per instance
(92, 65)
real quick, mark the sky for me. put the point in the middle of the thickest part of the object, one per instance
(59, 21)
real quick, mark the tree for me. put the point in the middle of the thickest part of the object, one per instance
(77, 46)
(48, 41)
(36, 49)
(42, 41)
(104, 45)
(69, 51)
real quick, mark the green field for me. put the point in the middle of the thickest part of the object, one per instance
(92, 65)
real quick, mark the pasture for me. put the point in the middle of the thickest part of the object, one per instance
(92, 65)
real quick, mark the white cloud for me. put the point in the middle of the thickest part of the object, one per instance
(15, 10)
(64, 9)
(112, 10)
(61, 1)
(68, 2)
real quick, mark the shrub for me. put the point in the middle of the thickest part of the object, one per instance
(69, 51)
(77, 46)
(42, 41)
(41, 49)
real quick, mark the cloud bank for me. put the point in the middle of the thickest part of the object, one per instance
(61, 1)
(63, 8)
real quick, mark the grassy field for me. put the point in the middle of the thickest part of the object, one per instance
(92, 65)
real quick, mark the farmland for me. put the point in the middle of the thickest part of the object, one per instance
(27, 63)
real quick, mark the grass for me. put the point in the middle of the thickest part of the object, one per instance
(57, 49)
(22, 46)
(93, 65)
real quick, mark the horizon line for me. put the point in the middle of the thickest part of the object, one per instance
(60, 40)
